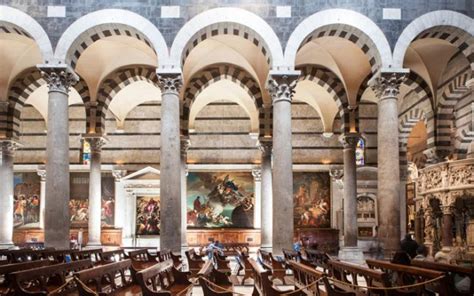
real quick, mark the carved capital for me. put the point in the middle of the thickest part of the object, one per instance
(58, 77)
(96, 142)
(337, 175)
(42, 173)
(282, 86)
(387, 84)
(266, 146)
(185, 143)
(170, 82)
(257, 174)
(349, 140)
(9, 146)
(118, 174)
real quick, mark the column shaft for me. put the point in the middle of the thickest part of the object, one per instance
(266, 196)
(6, 194)
(257, 217)
(42, 174)
(350, 190)
(120, 201)
(170, 162)
(447, 227)
(184, 209)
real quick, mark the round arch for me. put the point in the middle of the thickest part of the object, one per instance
(113, 22)
(430, 20)
(346, 24)
(227, 20)
(15, 21)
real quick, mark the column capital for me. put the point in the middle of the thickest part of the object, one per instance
(170, 82)
(349, 140)
(257, 174)
(265, 145)
(118, 174)
(58, 77)
(448, 210)
(9, 146)
(95, 141)
(41, 171)
(337, 175)
(386, 84)
(185, 143)
(281, 85)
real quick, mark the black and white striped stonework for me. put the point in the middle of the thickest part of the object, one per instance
(206, 77)
(352, 34)
(98, 33)
(227, 29)
(13, 29)
(112, 85)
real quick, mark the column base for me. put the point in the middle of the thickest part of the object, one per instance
(351, 254)
(93, 245)
(268, 248)
(6, 245)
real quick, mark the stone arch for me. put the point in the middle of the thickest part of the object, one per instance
(212, 74)
(227, 21)
(333, 85)
(17, 22)
(22, 87)
(104, 23)
(451, 26)
(343, 23)
(109, 87)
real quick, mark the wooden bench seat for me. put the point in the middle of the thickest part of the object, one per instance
(244, 264)
(165, 255)
(142, 255)
(114, 256)
(95, 255)
(194, 262)
(263, 286)
(41, 280)
(7, 269)
(450, 271)
(318, 258)
(289, 255)
(401, 275)
(113, 278)
(164, 279)
(276, 268)
(305, 275)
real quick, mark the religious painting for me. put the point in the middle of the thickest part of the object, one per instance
(365, 209)
(312, 199)
(220, 200)
(79, 201)
(148, 215)
(26, 200)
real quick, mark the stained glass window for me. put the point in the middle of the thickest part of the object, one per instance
(86, 152)
(360, 152)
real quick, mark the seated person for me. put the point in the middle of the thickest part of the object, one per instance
(409, 245)
(214, 246)
(422, 254)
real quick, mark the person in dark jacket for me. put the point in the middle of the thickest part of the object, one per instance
(409, 245)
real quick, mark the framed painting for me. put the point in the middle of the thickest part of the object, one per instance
(26, 200)
(148, 215)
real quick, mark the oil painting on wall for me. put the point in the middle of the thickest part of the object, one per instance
(26, 200)
(148, 215)
(79, 201)
(220, 199)
(312, 199)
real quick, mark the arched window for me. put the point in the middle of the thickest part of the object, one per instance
(86, 152)
(360, 152)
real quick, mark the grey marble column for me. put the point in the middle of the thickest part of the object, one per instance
(42, 173)
(265, 146)
(57, 220)
(95, 190)
(281, 87)
(120, 198)
(387, 87)
(170, 162)
(8, 148)
(185, 143)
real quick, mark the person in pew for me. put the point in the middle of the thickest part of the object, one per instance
(214, 245)
(297, 245)
(409, 245)
(422, 254)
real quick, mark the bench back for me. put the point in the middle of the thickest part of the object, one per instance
(349, 273)
(114, 256)
(141, 255)
(22, 255)
(95, 277)
(38, 279)
(209, 272)
(305, 275)
(270, 262)
(95, 255)
(6, 269)
(168, 255)
(262, 283)
(318, 258)
(244, 260)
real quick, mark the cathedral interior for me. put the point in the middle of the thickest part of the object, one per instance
(245, 147)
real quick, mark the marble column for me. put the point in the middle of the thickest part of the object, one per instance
(56, 223)
(95, 190)
(265, 146)
(42, 173)
(447, 241)
(281, 87)
(257, 178)
(170, 162)
(120, 199)
(185, 143)
(8, 148)
(387, 87)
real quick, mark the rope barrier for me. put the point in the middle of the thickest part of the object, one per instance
(387, 288)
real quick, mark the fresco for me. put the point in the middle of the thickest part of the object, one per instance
(312, 199)
(26, 200)
(148, 215)
(220, 199)
(79, 201)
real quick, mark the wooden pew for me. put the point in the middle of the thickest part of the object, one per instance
(222, 264)
(142, 255)
(263, 286)
(114, 256)
(194, 263)
(112, 278)
(95, 255)
(38, 281)
(450, 271)
(305, 275)
(275, 267)
(171, 280)
(7, 269)
(290, 255)
(406, 275)
(245, 266)
(349, 273)
(318, 258)
(168, 255)
(22, 255)
(209, 273)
